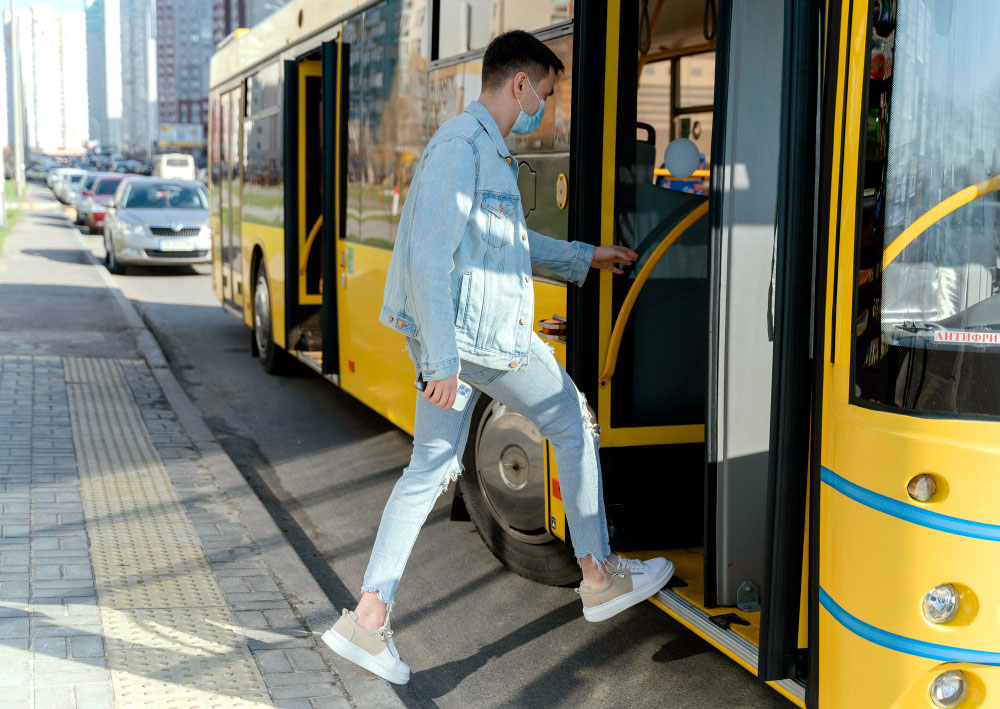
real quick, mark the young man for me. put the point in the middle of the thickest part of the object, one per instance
(459, 288)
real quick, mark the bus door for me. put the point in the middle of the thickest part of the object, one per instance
(305, 231)
(229, 195)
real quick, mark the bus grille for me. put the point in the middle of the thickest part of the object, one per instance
(169, 231)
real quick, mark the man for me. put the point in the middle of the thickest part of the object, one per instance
(459, 288)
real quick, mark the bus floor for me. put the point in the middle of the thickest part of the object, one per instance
(689, 567)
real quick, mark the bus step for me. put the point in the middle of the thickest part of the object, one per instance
(725, 620)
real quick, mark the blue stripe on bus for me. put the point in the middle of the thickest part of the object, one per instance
(900, 643)
(910, 513)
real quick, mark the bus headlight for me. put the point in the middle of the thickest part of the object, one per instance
(922, 487)
(949, 689)
(941, 603)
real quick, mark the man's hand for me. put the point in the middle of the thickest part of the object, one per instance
(608, 258)
(441, 392)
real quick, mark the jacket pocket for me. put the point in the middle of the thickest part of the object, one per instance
(463, 298)
(499, 227)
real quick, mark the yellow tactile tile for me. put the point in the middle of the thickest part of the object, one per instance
(171, 637)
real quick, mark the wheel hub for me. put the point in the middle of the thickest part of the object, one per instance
(510, 462)
(262, 315)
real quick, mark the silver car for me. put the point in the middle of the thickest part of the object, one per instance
(155, 222)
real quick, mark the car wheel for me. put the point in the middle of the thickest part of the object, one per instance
(111, 260)
(271, 356)
(503, 488)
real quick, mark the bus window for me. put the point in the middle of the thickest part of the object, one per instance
(386, 127)
(468, 25)
(927, 319)
(263, 171)
(394, 67)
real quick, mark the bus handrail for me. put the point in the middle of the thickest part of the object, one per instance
(935, 214)
(696, 175)
(633, 293)
(304, 260)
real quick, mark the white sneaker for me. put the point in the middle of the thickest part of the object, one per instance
(629, 581)
(372, 649)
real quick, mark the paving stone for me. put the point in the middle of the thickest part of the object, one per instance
(297, 703)
(304, 690)
(49, 647)
(87, 647)
(282, 679)
(334, 702)
(55, 697)
(271, 661)
(13, 628)
(94, 696)
(305, 659)
(14, 674)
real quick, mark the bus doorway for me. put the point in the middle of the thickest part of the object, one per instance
(683, 340)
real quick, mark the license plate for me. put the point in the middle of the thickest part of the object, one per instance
(176, 245)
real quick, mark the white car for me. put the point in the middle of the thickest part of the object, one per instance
(68, 182)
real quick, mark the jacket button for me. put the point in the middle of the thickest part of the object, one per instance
(524, 321)
(399, 323)
(501, 207)
(524, 237)
(389, 319)
(527, 278)
(513, 365)
(508, 161)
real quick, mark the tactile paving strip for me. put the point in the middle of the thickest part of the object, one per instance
(171, 637)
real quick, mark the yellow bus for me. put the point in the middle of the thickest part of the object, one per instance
(796, 384)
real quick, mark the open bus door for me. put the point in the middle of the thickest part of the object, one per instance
(311, 210)
(686, 340)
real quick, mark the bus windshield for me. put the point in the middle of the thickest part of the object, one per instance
(927, 320)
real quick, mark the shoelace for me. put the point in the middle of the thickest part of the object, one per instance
(385, 632)
(634, 566)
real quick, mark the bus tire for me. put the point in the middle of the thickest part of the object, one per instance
(271, 356)
(536, 554)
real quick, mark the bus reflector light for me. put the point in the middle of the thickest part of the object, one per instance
(922, 487)
(350, 365)
(941, 603)
(949, 689)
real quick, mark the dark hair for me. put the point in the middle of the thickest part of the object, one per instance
(516, 51)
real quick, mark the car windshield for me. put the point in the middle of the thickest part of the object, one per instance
(88, 182)
(173, 196)
(106, 186)
(74, 179)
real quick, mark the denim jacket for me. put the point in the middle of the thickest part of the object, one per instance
(459, 280)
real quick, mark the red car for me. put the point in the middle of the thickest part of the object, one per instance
(100, 194)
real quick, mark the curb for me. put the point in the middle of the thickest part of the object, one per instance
(302, 591)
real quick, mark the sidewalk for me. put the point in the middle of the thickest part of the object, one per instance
(137, 568)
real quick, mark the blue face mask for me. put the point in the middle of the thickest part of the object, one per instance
(525, 123)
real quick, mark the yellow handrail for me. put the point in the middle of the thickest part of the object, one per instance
(304, 259)
(935, 214)
(633, 293)
(696, 175)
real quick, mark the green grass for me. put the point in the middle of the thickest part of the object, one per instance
(12, 216)
(10, 190)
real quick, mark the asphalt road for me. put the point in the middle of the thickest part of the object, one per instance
(474, 634)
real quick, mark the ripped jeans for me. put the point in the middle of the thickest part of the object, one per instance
(543, 393)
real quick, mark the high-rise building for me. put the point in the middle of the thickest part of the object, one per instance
(138, 72)
(53, 64)
(184, 49)
(73, 111)
(104, 68)
(228, 15)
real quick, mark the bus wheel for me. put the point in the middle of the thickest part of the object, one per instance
(503, 487)
(270, 355)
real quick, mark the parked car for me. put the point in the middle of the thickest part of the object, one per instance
(37, 172)
(57, 175)
(69, 187)
(102, 194)
(157, 222)
(83, 192)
